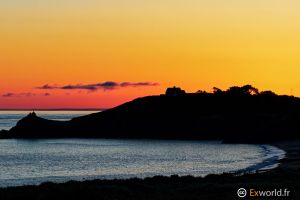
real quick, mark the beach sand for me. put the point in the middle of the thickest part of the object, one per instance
(286, 177)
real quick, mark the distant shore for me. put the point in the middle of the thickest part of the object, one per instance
(225, 186)
(234, 116)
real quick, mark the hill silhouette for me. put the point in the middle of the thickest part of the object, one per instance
(237, 115)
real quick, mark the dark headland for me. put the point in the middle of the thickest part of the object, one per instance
(237, 115)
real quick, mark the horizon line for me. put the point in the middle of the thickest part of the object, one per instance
(52, 109)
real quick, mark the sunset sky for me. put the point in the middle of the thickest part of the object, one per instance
(100, 53)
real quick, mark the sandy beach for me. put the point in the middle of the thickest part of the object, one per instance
(286, 177)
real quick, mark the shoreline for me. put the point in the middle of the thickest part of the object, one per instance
(292, 157)
(286, 175)
(268, 164)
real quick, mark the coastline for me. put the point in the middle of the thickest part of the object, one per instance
(291, 161)
(275, 153)
(286, 175)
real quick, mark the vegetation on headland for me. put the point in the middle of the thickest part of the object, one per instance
(237, 115)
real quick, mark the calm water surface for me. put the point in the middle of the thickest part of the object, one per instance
(36, 161)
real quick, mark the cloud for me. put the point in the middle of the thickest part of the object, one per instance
(139, 84)
(47, 87)
(108, 85)
(23, 94)
(9, 94)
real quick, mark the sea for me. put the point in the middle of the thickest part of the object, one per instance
(31, 162)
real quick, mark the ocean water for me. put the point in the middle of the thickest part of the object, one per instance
(27, 162)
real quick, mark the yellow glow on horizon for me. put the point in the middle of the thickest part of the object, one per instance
(192, 44)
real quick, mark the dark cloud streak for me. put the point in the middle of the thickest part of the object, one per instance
(108, 85)
(9, 94)
(23, 94)
(47, 87)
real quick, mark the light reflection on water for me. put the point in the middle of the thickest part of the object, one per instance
(36, 161)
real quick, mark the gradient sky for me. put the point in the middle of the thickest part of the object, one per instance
(194, 44)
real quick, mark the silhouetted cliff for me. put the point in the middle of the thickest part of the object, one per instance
(240, 114)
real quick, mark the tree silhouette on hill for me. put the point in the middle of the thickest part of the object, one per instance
(246, 90)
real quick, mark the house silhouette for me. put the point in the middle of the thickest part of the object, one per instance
(174, 91)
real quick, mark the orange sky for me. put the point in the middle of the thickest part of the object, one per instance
(195, 44)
